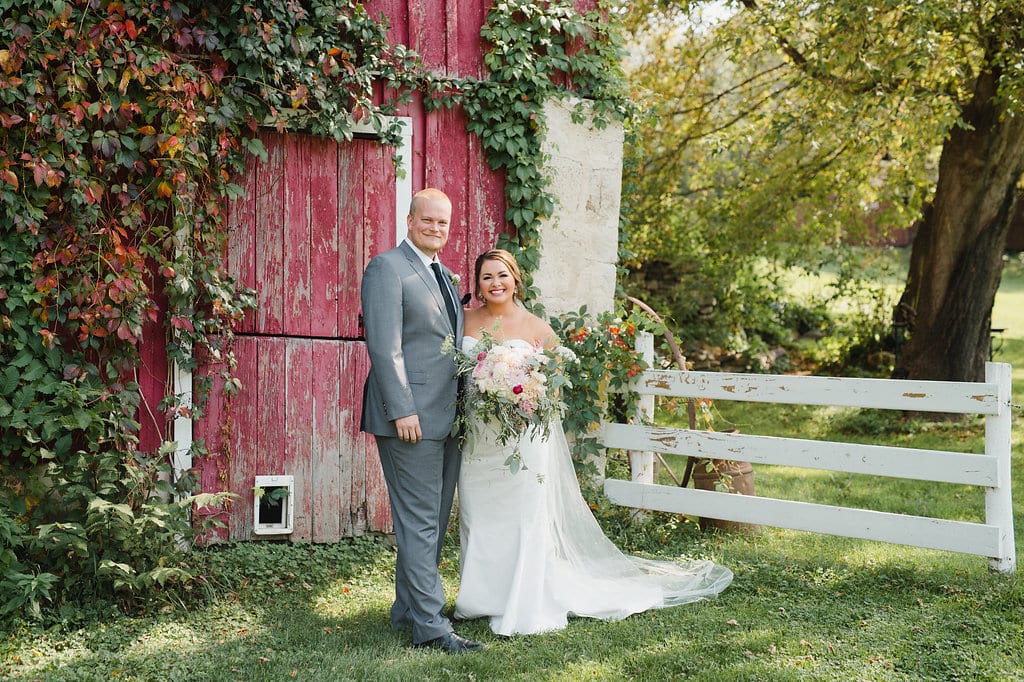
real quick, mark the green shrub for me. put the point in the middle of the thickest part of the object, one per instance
(123, 128)
(605, 346)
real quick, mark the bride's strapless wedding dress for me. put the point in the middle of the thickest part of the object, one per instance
(532, 553)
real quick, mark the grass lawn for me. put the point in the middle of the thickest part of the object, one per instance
(802, 606)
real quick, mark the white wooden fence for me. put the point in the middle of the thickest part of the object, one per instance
(991, 470)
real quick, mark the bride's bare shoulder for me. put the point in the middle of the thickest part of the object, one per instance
(474, 316)
(477, 321)
(541, 332)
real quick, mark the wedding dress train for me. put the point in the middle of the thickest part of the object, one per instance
(532, 553)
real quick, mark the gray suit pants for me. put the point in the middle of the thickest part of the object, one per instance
(421, 480)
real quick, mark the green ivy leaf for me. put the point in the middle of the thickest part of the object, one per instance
(81, 419)
(23, 358)
(33, 371)
(9, 380)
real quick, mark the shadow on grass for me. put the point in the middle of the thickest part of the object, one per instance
(801, 607)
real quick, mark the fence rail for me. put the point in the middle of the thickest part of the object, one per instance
(990, 470)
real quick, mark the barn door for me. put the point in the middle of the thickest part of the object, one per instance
(312, 216)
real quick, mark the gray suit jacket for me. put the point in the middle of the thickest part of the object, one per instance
(406, 324)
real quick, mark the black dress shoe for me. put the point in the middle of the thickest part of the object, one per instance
(453, 644)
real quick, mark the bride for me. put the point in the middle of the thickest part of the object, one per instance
(532, 554)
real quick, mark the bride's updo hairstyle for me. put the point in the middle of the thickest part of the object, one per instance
(509, 261)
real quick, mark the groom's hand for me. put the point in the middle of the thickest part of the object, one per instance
(409, 428)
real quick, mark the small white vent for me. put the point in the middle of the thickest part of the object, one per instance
(273, 505)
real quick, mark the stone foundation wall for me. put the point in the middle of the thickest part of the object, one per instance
(579, 244)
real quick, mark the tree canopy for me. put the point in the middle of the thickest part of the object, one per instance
(786, 127)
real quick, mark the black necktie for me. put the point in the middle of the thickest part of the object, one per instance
(446, 293)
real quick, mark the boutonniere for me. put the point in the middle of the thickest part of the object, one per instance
(455, 279)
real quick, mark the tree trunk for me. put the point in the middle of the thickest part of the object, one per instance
(957, 256)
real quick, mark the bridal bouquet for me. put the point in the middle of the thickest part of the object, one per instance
(515, 387)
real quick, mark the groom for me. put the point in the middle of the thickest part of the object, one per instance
(409, 401)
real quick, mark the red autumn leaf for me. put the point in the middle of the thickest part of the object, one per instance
(93, 193)
(46, 284)
(49, 338)
(179, 322)
(124, 332)
(115, 292)
(183, 38)
(10, 120)
(218, 72)
(170, 146)
(39, 173)
(77, 111)
(129, 28)
(9, 177)
(298, 95)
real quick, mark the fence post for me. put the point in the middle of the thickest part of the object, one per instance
(641, 463)
(998, 500)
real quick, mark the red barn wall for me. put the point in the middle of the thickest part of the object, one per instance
(311, 218)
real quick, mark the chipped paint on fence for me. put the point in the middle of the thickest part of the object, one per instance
(988, 471)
